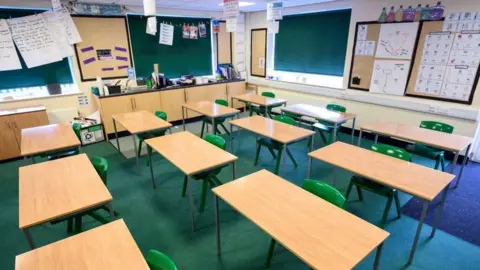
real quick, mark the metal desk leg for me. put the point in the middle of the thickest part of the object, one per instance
(217, 224)
(192, 206)
(335, 131)
(439, 212)
(463, 166)
(110, 209)
(170, 130)
(376, 139)
(360, 137)
(353, 130)
(284, 160)
(309, 169)
(116, 135)
(149, 150)
(231, 138)
(183, 118)
(214, 132)
(136, 153)
(377, 257)
(417, 234)
(26, 231)
(234, 171)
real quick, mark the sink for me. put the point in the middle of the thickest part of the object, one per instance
(135, 89)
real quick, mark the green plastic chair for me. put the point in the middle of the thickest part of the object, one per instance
(67, 153)
(379, 189)
(218, 121)
(208, 177)
(260, 110)
(327, 127)
(152, 134)
(321, 190)
(431, 152)
(274, 145)
(159, 261)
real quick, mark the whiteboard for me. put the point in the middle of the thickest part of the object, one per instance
(397, 40)
(390, 77)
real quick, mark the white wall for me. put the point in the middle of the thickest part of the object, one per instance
(412, 111)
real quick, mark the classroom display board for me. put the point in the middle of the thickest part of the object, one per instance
(382, 57)
(224, 45)
(446, 64)
(105, 49)
(258, 60)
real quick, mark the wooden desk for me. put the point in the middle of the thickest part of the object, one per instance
(420, 181)
(44, 139)
(321, 234)
(260, 100)
(210, 110)
(138, 122)
(275, 130)
(318, 113)
(110, 246)
(440, 140)
(58, 189)
(191, 155)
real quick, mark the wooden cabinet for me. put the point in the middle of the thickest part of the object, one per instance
(150, 102)
(172, 101)
(11, 124)
(202, 93)
(234, 89)
(114, 105)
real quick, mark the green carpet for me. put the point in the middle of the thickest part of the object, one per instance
(159, 219)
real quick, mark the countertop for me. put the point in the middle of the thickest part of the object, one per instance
(22, 110)
(175, 87)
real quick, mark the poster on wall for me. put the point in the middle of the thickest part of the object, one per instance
(389, 77)
(397, 40)
(231, 8)
(274, 11)
(8, 55)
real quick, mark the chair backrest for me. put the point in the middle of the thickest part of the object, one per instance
(336, 108)
(76, 128)
(216, 140)
(391, 151)
(159, 261)
(268, 94)
(101, 166)
(437, 126)
(324, 191)
(161, 115)
(284, 119)
(222, 102)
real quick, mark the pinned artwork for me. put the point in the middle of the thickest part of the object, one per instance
(397, 41)
(390, 77)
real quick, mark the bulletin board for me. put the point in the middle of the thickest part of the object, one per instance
(105, 47)
(258, 60)
(363, 60)
(224, 45)
(461, 92)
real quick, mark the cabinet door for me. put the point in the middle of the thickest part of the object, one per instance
(9, 146)
(114, 105)
(172, 101)
(234, 89)
(27, 120)
(147, 102)
(203, 93)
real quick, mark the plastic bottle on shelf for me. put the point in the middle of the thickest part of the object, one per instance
(425, 15)
(409, 14)
(391, 15)
(383, 16)
(418, 13)
(436, 13)
(399, 14)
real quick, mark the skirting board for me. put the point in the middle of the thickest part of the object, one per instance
(471, 114)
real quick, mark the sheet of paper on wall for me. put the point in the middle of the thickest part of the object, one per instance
(458, 82)
(71, 30)
(370, 47)
(58, 33)
(362, 32)
(261, 63)
(33, 40)
(397, 40)
(430, 79)
(360, 47)
(231, 25)
(389, 77)
(152, 26)
(274, 11)
(231, 8)
(56, 5)
(437, 48)
(166, 34)
(8, 55)
(273, 27)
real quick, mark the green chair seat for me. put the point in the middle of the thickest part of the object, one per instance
(219, 121)
(269, 143)
(426, 151)
(260, 110)
(371, 185)
(159, 261)
(327, 127)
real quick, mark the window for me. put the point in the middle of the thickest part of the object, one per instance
(58, 72)
(311, 48)
(186, 56)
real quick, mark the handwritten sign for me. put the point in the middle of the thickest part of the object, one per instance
(71, 30)
(8, 56)
(274, 11)
(166, 34)
(231, 8)
(58, 33)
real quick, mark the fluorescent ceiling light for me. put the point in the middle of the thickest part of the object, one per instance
(242, 4)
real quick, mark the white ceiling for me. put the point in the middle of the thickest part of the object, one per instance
(210, 5)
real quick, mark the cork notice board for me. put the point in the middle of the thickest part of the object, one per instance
(258, 61)
(105, 47)
(224, 45)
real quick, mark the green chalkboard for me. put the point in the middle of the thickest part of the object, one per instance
(58, 72)
(186, 56)
(313, 43)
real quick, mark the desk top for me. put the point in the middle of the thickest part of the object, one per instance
(319, 113)
(420, 181)
(210, 109)
(450, 142)
(260, 100)
(275, 130)
(110, 246)
(57, 188)
(189, 153)
(141, 121)
(321, 234)
(43, 139)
